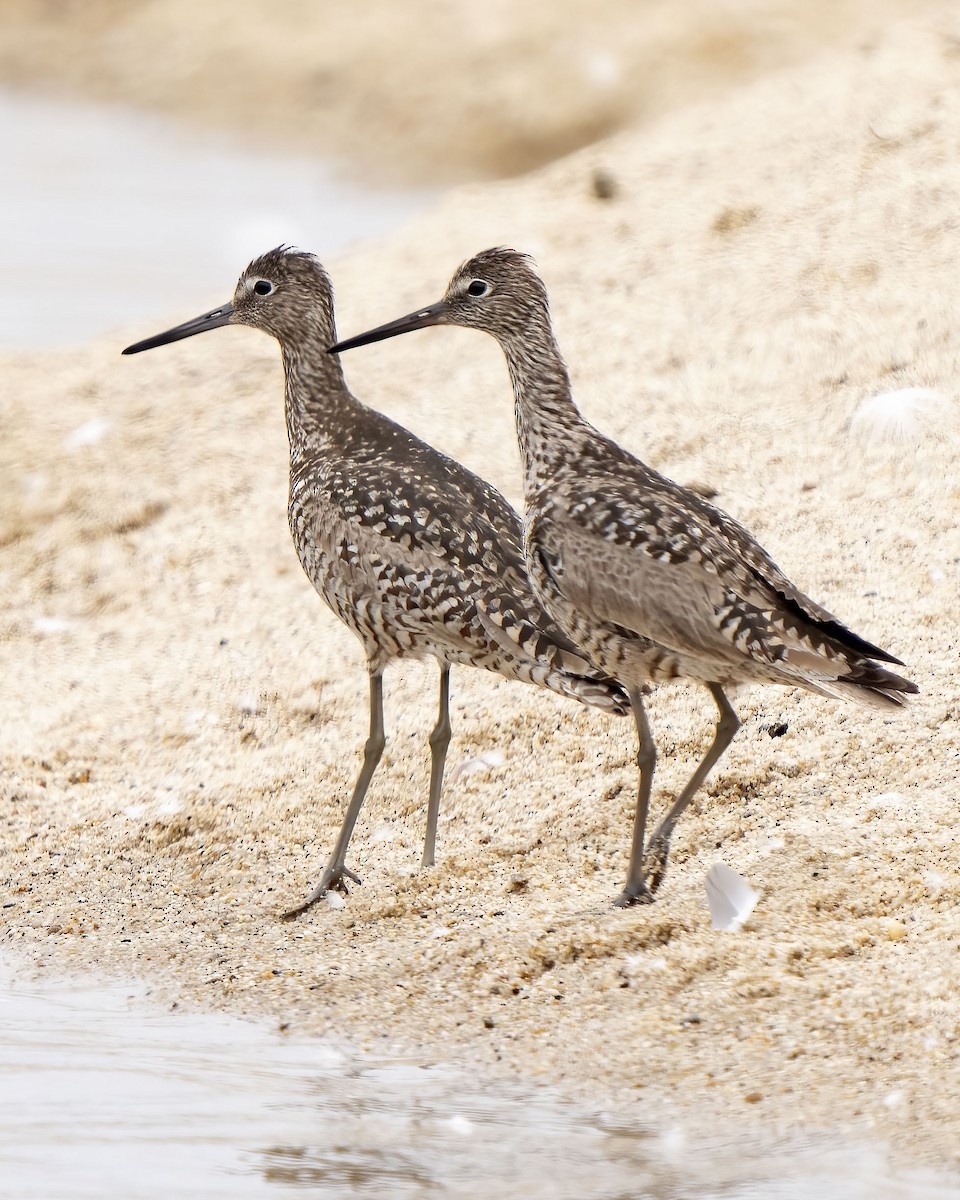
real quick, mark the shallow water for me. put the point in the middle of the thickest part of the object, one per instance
(105, 1095)
(112, 217)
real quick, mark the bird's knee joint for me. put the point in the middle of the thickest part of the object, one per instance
(440, 737)
(373, 747)
(647, 758)
(728, 725)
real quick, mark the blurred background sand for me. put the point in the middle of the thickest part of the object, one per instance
(429, 90)
(754, 235)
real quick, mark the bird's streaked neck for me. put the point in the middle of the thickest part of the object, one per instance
(316, 394)
(548, 421)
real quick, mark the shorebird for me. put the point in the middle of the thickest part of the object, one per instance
(404, 544)
(647, 578)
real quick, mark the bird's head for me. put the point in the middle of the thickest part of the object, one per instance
(284, 292)
(497, 291)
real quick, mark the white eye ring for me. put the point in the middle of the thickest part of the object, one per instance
(263, 287)
(478, 287)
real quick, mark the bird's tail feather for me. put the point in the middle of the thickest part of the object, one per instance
(594, 690)
(871, 684)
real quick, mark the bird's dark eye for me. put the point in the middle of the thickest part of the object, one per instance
(263, 287)
(478, 288)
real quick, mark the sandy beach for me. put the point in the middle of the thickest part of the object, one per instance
(182, 717)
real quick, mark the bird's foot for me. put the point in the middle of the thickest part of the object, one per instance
(634, 893)
(333, 879)
(655, 860)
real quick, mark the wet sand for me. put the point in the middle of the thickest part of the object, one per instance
(182, 717)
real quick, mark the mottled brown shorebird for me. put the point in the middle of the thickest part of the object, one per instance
(651, 581)
(403, 543)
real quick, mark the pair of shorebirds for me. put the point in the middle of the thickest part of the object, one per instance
(617, 577)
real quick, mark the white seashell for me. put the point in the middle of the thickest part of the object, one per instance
(470, 766)
(730, 897)
(903, 418)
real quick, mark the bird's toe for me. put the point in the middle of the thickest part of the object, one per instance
(638, 893)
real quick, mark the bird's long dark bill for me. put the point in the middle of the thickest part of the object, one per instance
(415, 320)
(211, 320)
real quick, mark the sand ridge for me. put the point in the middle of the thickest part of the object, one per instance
(182, 718)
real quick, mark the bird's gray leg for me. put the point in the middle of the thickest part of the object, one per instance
(635, 890)
(335, 871)
(439, 741)
(659, 849)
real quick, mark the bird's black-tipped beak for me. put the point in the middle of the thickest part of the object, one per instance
(211, 320)
(415, 320)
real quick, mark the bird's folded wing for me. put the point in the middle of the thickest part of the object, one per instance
(686, 589)
(432, 576)
(695, 560)
(418, 522)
